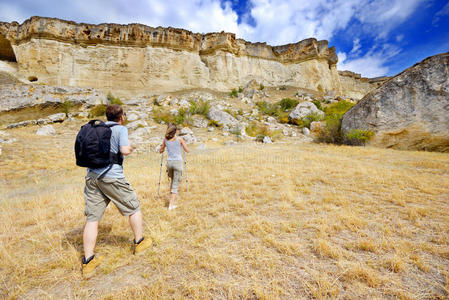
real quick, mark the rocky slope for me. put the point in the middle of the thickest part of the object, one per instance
(410, 111)
(136, 59)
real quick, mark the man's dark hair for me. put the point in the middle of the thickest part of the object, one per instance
(114, 112)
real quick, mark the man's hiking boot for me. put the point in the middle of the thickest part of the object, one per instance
(90, 265)
(141, 246)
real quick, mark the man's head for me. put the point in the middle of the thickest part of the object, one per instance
(114, 112)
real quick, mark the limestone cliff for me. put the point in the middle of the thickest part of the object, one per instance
(137, 59)
(356, 86)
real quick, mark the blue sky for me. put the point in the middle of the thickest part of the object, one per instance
(374, 38)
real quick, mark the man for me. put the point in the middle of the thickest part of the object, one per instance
(111, 187)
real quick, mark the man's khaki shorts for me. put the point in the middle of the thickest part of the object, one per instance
(98, 194)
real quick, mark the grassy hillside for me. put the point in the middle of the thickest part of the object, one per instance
(259, 222)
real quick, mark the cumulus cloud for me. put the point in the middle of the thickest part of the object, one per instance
(273, 21)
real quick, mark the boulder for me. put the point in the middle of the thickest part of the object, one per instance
(303, 109)
(132, 116)
(46, 130)
(43, 121)
(185, 131)
(222, 117)
(409, 111)
(57, 118)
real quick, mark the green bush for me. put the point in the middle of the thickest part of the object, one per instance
(339, 108)
(213, 123)
(233, 93)
(240, 90)
(313, 117)
(317, 104)
(160, 116)
(97, 111)
(261, 86)
(259, 131)
(287, 104)
(114, 100)
(66, 106)
(267, 108)
(358, 136)
(199, 108)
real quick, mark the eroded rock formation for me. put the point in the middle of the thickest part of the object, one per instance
(355, 86)
(137, 59)
(409, 111)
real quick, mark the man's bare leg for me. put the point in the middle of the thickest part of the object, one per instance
(90, 238)
(135, 221)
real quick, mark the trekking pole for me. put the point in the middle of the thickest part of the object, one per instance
(160, 175)
(187, 178)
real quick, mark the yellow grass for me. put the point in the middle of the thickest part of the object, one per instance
(259, 222)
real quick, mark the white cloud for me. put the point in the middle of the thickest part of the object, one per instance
(371, 64)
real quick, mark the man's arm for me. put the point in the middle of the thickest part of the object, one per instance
(127, 150)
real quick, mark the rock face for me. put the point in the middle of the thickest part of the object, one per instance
(137, 59)
(15, 96)
(410, 111)
(355, 86)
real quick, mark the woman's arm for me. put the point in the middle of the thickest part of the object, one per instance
(162, 147)
(184, 145)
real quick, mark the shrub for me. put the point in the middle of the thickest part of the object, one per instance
(261, 86)
(283, 117)
(233, 93)
(317, 104)
(199, 108)
(288, 104)
(114, 100)
(331, 133)
(313, 117)
(339, 108)
(283, 88)
(213, 123)
(182, 117)
(358, 136)
(260, 131)
(160, 116)
(97, 111)
(66, 106)
(240, 90)
(268, 108)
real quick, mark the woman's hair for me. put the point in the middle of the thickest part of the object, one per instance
(171, 131)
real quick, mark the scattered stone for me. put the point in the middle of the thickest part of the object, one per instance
(46, 130)
(132, 116)
(285, 131)
(189, 138)
(43, 121)
(225, 133)
(185, 131)
(184, 103)
(221, 117)
(199, 121)
(210, 129)
(271, 120)
(305, 131)
(22, 124)
(57, 118)
(174, 101)
(136, 102)
(267, 140)
(214, 139)
(136, 124)
(83, 114)
(293, 134)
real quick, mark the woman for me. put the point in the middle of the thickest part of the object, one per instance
(173, 144)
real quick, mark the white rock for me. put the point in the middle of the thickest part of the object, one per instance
(267, 140)
(210, 129)
(285, 131)
(189, 138)
(271, 120)
(293, 134)
(46, 130)
(132, 117)
(184, 103)
(201, 147)
(199, 122)
(57, 117)
(303, 109)
(136, 124)
(226, 133)
(185, 131)
(305, 131)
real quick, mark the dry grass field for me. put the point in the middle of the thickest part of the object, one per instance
(259, 222)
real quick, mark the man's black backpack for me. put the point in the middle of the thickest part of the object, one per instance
(93, 146)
